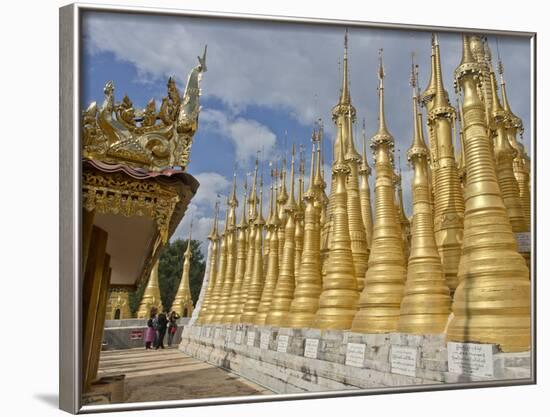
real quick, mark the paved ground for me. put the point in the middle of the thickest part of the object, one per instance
(172, 375)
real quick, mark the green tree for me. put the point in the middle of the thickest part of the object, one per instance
(170, 269)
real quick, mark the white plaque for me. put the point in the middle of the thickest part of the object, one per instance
(310, 350)
(239, 337)
(264, 340)
(282, 343)
(217, 333)
(204, 331)
(403, 360)
(228, 336)
(355, 354)
(524, 241)
(251, 338)
(470, 359)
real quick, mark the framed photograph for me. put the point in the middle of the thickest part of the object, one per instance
(258, 208)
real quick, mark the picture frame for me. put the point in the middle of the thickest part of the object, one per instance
(71, 286)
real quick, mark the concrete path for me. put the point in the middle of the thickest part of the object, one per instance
(169, 374)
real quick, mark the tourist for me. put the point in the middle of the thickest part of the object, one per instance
(150, 333)
(162, 321)
(172, 326)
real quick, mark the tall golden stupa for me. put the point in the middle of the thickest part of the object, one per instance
(492, 301)
(151, 296)
(381, 298)
(183, 303)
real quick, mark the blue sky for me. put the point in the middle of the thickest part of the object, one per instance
(266, 78)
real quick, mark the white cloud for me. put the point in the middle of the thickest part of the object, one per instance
(248, 136)
(213, 187)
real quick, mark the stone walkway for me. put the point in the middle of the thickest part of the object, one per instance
(172, 375)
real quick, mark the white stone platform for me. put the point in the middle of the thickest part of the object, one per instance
(307, 360)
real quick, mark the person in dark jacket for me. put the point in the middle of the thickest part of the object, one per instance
(172, 326)
(162, 322)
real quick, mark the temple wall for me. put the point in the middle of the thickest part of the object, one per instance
(123, 334)
(293, 372)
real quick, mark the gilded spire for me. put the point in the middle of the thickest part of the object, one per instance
(282, 199)
(429, 93)
(521, 161)
(210, 275)
(426, 302)
(299, 215)
(448, 195)
(151, 296)
(504, 159)
(214, 304)
(253, 198)
(441, 96)
(308, 278)
(345, 98)
(514, 120)
(383, 133)
(311, 183)
(235, 304)
(364, 168)
(254, 289)
(319, 180)
(467, 57)
(271, 190)
(364, 190)
(284, 290)
(301, 171)
(188, 250)
(272, 272)
(404, 221)
(244, 222)
(380, 299)
(359, 247)
(214, 232)
(492, 301)
(183, 303)
(291, 203)
(337, 303)
(418, 134)
(231, 256)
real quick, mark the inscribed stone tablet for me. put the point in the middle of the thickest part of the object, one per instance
(524, 241)
(403, 360)
(238, 337)
(355, 354)
(310, 350)
(282, 343)
(228, 336)
(251, 338)
(470, 359)
(217, 333)
(264, 340)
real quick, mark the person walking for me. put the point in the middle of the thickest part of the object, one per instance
(150, 332)
(162, 322)
(172, 326)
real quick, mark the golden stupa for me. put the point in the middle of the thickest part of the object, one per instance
(380, 300)
(492, 301)
(151, 296)
(426, 301)
(183, 303)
